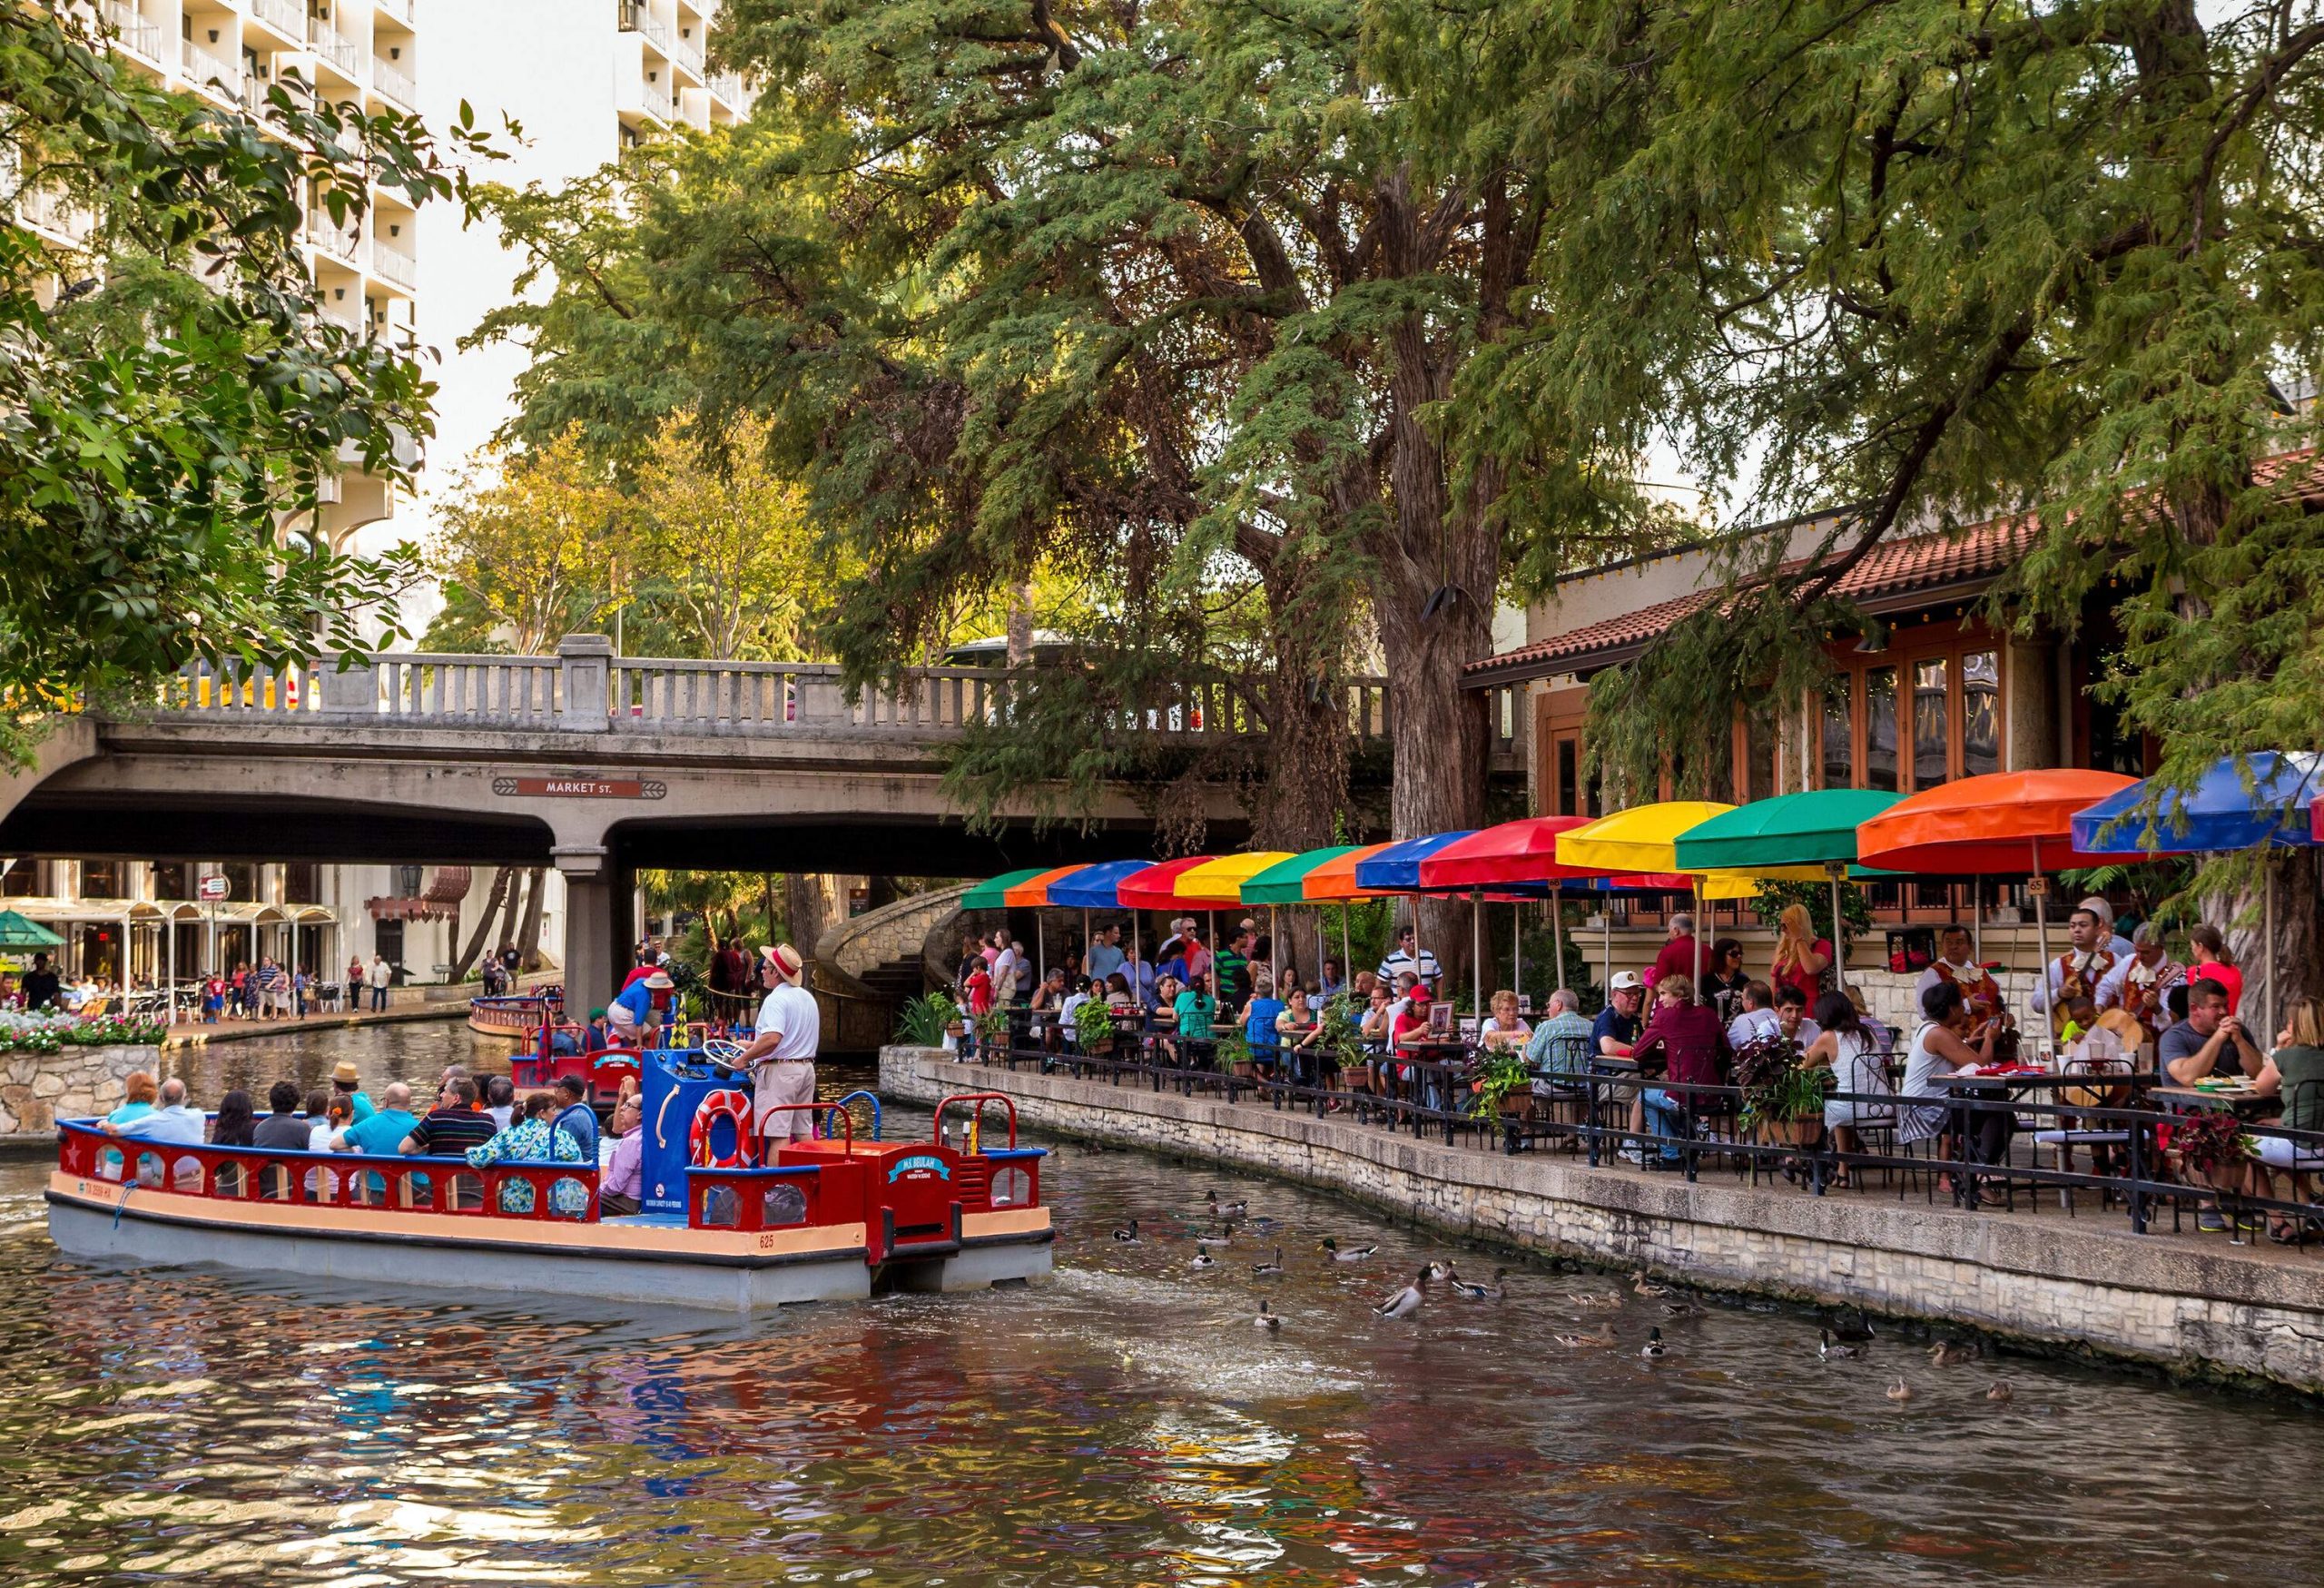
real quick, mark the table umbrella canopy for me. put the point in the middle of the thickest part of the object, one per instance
(1156, 887)
(1219, 883)
(1815, 828)
(1285, 881)
(21, 931)
(1513, 852)
(1395, 867)
(1096, 887)
(1334, 881)
(1033, 893)
(2239, 802)
(2003, 823)
(992, 894)
(1642, 840)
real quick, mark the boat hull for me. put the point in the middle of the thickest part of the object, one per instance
(616, 1261)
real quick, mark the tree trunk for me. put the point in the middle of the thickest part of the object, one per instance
(482, 924)
(767, 904)
(809, 897)
(528, 935)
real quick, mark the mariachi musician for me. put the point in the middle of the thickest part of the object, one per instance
(1980, 993)
(2078, 971)
(2139, 982)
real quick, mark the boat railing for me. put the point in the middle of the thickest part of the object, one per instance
(755, 1200)
(450, 1187)
(976, 1119)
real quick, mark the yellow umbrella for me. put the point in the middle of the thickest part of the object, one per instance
(1220, 882)
(1644, 841)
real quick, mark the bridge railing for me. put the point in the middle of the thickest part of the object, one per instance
(585, 688)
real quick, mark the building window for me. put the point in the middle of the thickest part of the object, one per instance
(1839, 733)
(173, 879)
(302, 883)
(241, 882)
(1880, 729)
(1980, 713)
(1930, 763)
(103, 878)
(24, 879)
(1758, 755)
(1569, 781)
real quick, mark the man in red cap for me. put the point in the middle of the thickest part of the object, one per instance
(782, 1057)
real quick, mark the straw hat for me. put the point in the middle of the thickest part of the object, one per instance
(784, 959)
(345, 1073)
(659, 980)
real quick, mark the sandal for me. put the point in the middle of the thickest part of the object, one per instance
(2284, 1231)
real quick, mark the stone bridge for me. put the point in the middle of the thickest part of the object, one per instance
(596, 763)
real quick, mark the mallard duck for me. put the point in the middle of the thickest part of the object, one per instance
(1999, 1391)
(1654, 1346)
(1598, 1301)
(1355, 1254)
(1476, 1292)
(1128, 1233)
(1602, 1337)
(1269, 1268)
(1830, 1349)
(1439, 1272)
(1851, 1324)
(1900, 1391)
(1211, 1238)
(1681, 1309)
(1951, 1353)
(1646, 1287)
(1228, 1210)
(1407, 1301)
(1203, 1260)
(1266, 1318)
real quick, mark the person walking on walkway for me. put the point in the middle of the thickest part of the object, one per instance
(781, 1056)
(376, 978)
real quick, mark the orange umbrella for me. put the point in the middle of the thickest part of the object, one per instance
(1335, 878)
(2012, 822)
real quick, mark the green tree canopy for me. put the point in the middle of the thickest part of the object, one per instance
(1156, 296)
(171, 392)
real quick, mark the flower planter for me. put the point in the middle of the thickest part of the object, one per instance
(1803, 1132)
(1516, 1107)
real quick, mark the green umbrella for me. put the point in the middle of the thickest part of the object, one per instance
(1284, 881)
(18, 932)
(1817, 827)
(987, 895)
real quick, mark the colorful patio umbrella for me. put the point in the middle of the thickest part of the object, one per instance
(22, 932)
(1285, 881)
(990, 894)
(2009, 823)
(1395, 868)
(1219, 881)
(1323, 876)
(1815, 827)
(1644, 839)
(1155, 887)
(1096, 887)
(2265, 798)
(1335, 879)
(1033, 893)
(1514, 852)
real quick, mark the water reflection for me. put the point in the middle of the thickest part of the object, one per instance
(1123, 1423)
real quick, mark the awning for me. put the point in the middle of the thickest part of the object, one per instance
(1096, 887)
(1219, 883)
(992, 895)
(1034, 890)
(2003, 823)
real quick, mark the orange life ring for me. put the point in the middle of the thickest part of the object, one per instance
(725, 1103)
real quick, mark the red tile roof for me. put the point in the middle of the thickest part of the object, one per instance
(1941, 561)
(1916, 562)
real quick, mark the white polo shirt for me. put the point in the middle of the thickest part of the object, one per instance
(792, 1011)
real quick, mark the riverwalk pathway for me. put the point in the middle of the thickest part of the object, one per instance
(2190, 1303)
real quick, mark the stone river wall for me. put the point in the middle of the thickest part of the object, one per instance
(35, 1088)
(2089, 1285)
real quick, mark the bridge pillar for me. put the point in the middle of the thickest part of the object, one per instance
(597, 925)
(586, 662)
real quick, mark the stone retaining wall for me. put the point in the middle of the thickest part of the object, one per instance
(38, 1087)
(2197, 1310)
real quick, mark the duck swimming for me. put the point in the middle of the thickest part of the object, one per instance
(1830, 1349)
(1950, 1354)
(1267, 1319)
(1269, 1269)
(1128, 1233)
(1603, 1337)
(1203, 1260)
(1352, 1255)
(1999, 1392)
(1900, 1391)
(1654, 1347)
(1407, 1301)
(1646, 1287)
(1228, 1210)
(1476, 1292)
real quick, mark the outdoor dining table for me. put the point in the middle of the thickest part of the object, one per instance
(1964, 1085)
(2241, 1098)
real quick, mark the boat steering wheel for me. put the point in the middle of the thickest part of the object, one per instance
(723, 1051)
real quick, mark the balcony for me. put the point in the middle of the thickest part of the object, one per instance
(213, 75)
(688, 53)
(398, 9)
(394, 266)
(333, 49)
(48, 211)
(333, 238)
(287, 19)
(395, 84)
(657, 104)
(728, 86)
(138, 36)
(636, 19)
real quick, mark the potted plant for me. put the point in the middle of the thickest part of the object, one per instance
(1503, 1087)
(1783, 1100)
(1093, 1027)
(925, 1022)
(1234, 1051)
(2207, 1144)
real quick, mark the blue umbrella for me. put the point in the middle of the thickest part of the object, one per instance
(1396, 869)
(1092, 887)
(2251, 800)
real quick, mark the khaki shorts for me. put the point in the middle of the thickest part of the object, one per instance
(786, 1080)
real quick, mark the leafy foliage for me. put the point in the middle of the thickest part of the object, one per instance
(175, 392)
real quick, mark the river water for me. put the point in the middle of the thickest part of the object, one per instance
(1123, 1422)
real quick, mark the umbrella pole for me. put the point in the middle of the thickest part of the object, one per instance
(1839, 943)
(1605, 925)
(2042, 937)
(1977, 918)
(1347, 971)
(1477, 956)
(1041, 943)
(1086, 946)
(1698, 884)
(2268, 940)
(1274, 950)
(1557, 932)
(1517, 949)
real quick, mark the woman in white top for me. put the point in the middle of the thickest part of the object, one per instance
(1505, 1028)
(1942, 1045)
(1844, 1047)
